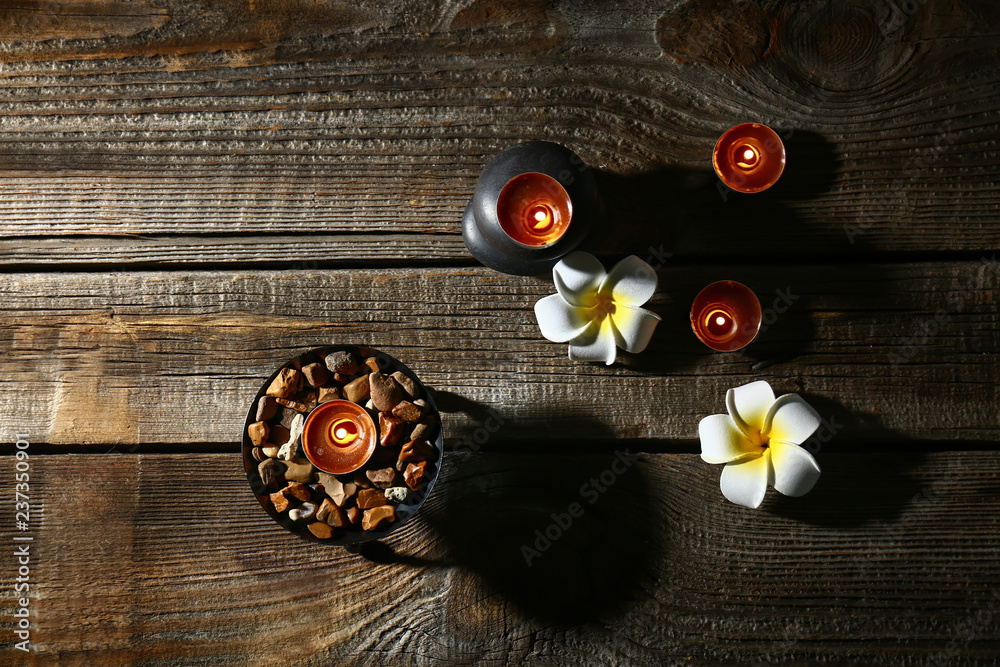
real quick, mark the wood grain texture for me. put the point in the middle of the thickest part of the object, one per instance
(888, 352)
(162, 121)
(152, 559)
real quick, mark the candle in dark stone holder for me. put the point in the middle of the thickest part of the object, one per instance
(726, 316)
(749, 158)
(339, 436)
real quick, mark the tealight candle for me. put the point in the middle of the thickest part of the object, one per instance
(339, 436)
(534, 210)
(726, 316)
(534, 203)
(749, 157)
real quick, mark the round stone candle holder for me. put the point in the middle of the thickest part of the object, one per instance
(341, 438)
(749, 158)
(534, 203)
(726, 316)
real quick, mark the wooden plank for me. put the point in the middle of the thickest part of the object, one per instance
(269, 121)
(886, 353)
(155, 559)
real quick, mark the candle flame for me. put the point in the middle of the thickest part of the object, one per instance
(749, 157)
(344, 432)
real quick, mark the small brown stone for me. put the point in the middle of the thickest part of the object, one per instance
(340, 378)
(272, 473)
(285, 384)
(269, 450)
(294, 405)
(320, 530)
(369, 498)
(416, 450)
(424, 430)
(390, 429)
(329, 513)
(280, 501)
(258, 454)
(358, 390)
(267, 407)
(382, 478)
(353, 515)
(373, 365)
(408, 384)
(316, 374)
(408, 411)
(415, 475)
(342, 362)
(378, 517)
(258, 433)
(286, 417)
(334, 488)
(297, 490)
(385, 391)
(304, 512)
(328, 394)
(297, 470)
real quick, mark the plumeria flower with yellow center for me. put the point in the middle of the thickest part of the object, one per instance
(597, 312)
(760, 443)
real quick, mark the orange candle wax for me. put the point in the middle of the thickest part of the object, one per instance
(534, 209)
(339, 436)
(726, 316)
(749, 158)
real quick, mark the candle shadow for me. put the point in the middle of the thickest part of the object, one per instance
(560, 538)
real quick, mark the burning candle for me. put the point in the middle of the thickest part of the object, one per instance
(749, 158)
(339, 436)
(534, 210)
(534, 203)
(726, 316)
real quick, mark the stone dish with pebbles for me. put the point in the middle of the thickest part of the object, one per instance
(367, 504)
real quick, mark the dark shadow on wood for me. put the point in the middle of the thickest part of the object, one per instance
(563, 538)
(878, 485)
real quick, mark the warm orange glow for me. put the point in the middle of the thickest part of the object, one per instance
(720, 324)
(726, 316)
(344, 432)
(749, 159)
(534, 209)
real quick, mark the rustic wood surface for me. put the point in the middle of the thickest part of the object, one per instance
(195, 192)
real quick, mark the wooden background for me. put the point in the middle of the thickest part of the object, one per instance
(194, 192)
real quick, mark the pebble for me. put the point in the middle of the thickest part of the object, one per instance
(390, 429)
(415, 474)
(270, 451)
(316, 374)
(280, 501)
(383, 478)
(258, 432)
(303, 512)
(272, 473)
(353, 515)
(397, 494)
(342, 362)
(328, 512)
(295, 405)
(328, 394)
(287, 450)
(285, 384)
(297, 470)
(385, 391)
(378, 517)
(258, 454)
(415, 451)
(333, 488)
(408, 384)
(267, 407)
(320, 530)
(407, 411)
(358, 390)
(373, 365)
(371, 498)
(297, 490)
(424, 429)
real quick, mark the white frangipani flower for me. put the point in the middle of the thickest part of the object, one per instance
(759, 441)
(596, 311)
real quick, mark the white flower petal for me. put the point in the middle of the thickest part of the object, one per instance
(791, 419)
(745, 482)
(795, 470)
(633, 327)
(722, 442)
(748, 405)
(599, 347)
(631, 282)
(560, 321)
(577, 277)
